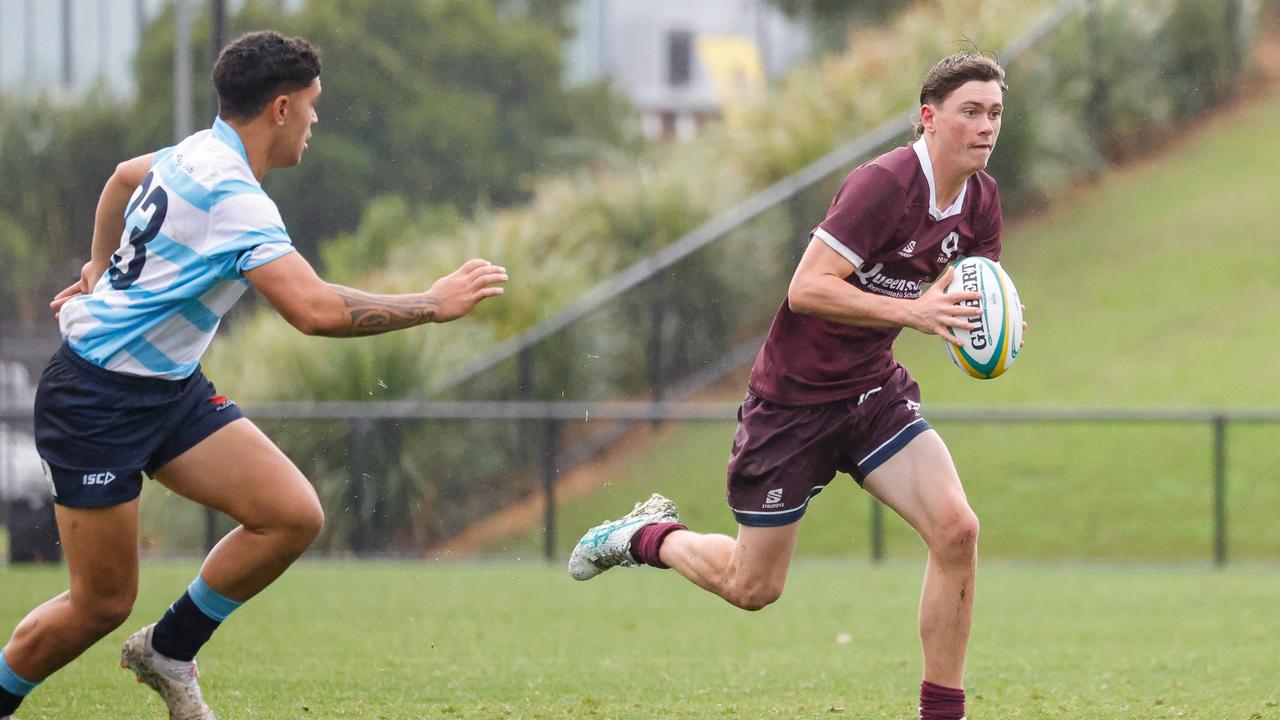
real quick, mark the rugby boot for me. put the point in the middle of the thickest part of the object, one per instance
(609, 543)
(176, 681)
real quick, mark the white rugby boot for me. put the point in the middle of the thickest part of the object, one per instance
(609, 544)
(175, 680)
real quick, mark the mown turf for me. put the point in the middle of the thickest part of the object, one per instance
(396, 641)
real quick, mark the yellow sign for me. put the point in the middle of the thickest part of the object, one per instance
(734, 63)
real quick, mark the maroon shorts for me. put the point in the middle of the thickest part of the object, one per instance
(785, 454)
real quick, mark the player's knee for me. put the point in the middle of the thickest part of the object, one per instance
(956, 539)
(105, 611)
(303, 524)
(756, 595)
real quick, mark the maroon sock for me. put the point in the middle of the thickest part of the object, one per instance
(940, 703)
(648, 540)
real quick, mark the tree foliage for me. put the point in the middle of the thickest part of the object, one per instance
(447, 102)
(830, 20)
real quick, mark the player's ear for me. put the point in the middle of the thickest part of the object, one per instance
(927, 116)
(279, 108)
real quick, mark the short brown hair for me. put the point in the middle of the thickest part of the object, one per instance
(257, 67)
(953, 71)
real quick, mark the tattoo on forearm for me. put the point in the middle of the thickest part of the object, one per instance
(373, 314)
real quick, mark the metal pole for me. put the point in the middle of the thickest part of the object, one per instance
(182, 126)
(356, 463)
(877, 531)
(219, 10)
(550, 449)
(657, 318)
(219, 37)
(524, 374)
(66, 44)
(1220, 491)
(28, 40)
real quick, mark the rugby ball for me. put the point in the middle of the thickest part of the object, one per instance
(989, 349)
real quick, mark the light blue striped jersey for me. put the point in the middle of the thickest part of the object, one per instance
(194, 226)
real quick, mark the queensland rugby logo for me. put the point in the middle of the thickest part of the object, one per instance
(950, 244)
(876, 281)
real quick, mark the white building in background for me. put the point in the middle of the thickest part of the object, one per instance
(63, 48)
(682, 62)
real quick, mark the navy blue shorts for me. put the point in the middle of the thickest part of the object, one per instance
(97, 431)
(783, 455)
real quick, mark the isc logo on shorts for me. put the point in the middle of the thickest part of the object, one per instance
(102, 478)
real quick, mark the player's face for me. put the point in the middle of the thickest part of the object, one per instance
(968, 122)
(299, 116)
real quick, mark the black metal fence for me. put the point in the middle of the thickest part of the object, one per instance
(551, 435)
(556, 417)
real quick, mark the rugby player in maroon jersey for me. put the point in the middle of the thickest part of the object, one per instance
(826, 394)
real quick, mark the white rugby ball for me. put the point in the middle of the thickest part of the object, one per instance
(989, 349)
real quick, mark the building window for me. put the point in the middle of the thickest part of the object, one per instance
(679, 58)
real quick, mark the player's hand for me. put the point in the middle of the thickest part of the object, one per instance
(459, 291)
(935, 312)
(89, 275)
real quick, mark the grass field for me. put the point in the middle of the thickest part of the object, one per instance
(394, 641)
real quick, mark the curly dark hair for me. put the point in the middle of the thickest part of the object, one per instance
(953, 71)
(258, 67)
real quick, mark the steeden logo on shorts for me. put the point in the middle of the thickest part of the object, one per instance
(773, 499)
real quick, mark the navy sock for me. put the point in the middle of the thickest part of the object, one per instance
(9, 702)
(189, 623)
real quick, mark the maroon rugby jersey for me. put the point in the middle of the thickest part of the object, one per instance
(885, 221)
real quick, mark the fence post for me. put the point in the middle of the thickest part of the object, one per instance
(877, 531)
(210, 529)
(657, 318)
(550, 448)
(524, 374)
(357, 459)
(1219, 491)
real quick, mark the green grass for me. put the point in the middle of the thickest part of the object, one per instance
(1157, 286)
(397, 641)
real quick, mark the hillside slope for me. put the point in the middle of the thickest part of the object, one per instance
(1156, 286)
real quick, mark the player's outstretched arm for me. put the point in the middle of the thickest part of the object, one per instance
(108, 226)
(316, 307)
(819, 288)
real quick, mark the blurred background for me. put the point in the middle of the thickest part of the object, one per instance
(649, 172)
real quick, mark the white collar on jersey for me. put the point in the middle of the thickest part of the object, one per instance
(926, 164)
